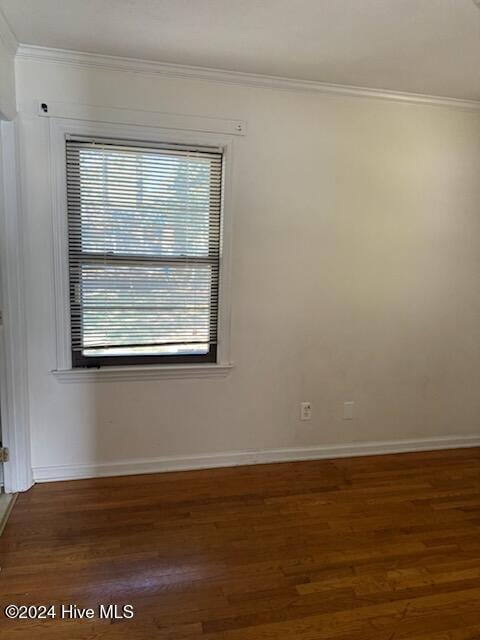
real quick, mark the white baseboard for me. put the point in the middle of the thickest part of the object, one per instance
(238, 458)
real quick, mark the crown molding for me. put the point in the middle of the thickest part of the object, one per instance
(134, 65)
(7, 36)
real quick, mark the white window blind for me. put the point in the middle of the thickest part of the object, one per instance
(144, 251)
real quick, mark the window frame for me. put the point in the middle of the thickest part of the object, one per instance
(219, 355)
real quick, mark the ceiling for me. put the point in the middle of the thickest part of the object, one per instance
(421, 46)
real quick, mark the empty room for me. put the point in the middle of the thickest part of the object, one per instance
(240, 319)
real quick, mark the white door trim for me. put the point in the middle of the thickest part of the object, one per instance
(13, 368)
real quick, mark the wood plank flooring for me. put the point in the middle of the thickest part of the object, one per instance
(373, 548)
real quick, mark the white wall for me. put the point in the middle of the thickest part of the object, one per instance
(356, 261)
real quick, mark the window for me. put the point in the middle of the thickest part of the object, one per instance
(143, 251)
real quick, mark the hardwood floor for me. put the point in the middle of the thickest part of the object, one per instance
(377, 548)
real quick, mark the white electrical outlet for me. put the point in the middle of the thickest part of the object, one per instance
(348, 410)
(305, 411)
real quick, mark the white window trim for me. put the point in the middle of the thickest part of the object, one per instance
(59, 129)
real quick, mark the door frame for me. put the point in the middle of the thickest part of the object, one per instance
(14, 398)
